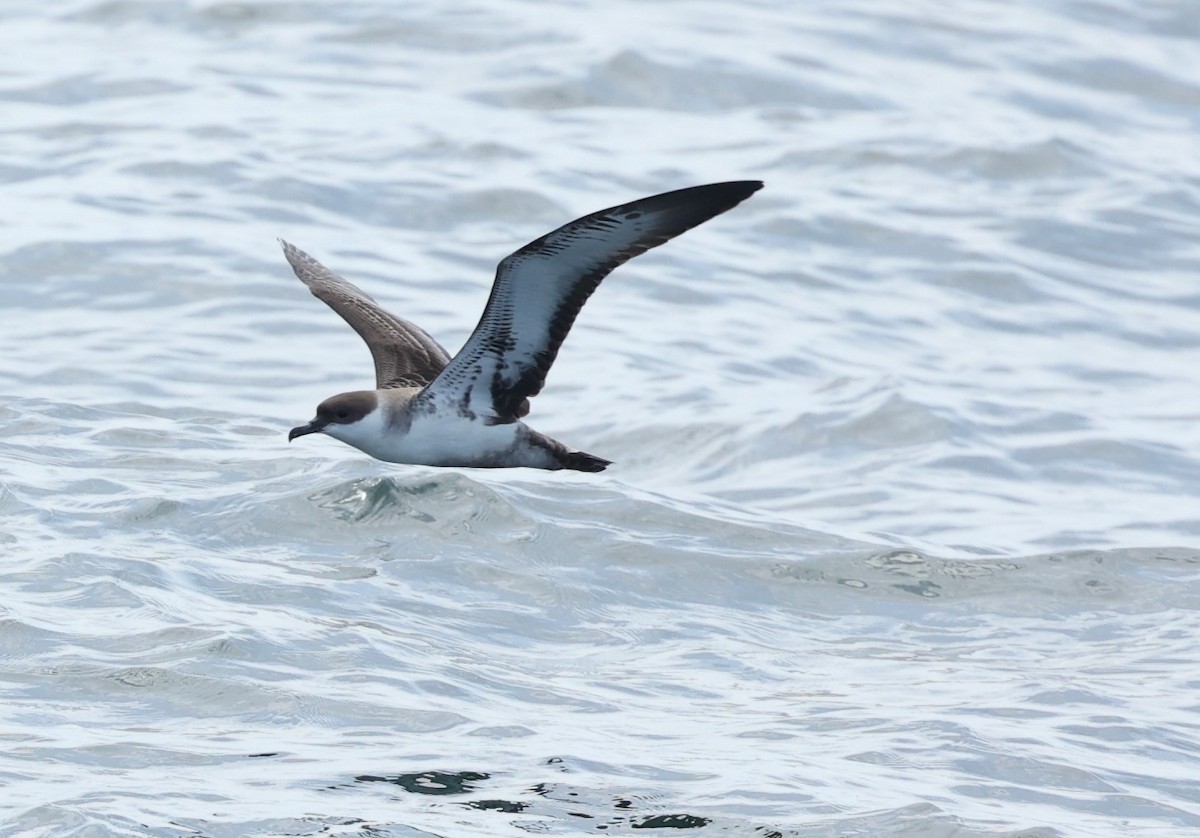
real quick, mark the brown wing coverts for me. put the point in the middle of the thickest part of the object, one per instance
(405, 355)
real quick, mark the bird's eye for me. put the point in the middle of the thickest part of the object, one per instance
(342, 414)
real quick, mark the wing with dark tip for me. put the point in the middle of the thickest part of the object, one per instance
(405, 355)
(540, 289)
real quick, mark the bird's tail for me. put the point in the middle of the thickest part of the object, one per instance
(579, 461)
(551, 454)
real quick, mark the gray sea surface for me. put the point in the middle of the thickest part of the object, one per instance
(903, 532)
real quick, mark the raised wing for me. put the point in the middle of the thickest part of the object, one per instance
(405, 355)
(540, 289)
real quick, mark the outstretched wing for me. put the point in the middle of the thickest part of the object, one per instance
(540, 289)
(405, 355)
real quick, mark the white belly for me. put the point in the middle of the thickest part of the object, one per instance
(442, 439)
(450, 441)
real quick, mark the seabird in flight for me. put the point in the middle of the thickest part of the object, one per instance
(430, 409)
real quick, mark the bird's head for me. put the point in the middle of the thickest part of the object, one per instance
(342, 417)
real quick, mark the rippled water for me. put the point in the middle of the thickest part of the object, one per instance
(901, 538)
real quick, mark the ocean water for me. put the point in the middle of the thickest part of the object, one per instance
(903, 532)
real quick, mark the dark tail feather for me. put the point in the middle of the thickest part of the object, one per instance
(561, 456)
(580, 461)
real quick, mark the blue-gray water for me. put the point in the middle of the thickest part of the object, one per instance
(902, 536)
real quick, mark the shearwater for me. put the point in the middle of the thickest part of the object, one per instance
(430, 409)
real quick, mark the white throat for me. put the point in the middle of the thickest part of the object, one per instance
(369, 434)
